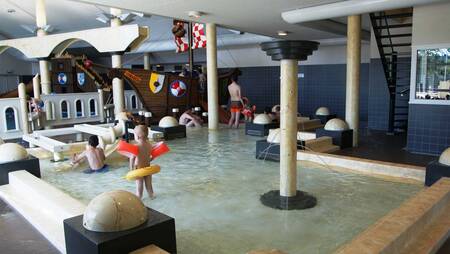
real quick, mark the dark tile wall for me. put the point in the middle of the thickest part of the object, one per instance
(428, 128)
(378, 97)
(322, 85)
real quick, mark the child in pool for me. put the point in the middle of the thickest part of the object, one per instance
(94, 155)
(142, 160)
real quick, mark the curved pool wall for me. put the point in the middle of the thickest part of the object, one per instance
(211, 184)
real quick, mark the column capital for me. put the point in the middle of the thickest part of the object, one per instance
(296, 50)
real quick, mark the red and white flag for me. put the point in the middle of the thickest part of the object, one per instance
(181, 43)
(198, 36)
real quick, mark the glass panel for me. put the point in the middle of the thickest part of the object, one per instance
(10, 119)
(433, 74)
(64, 110)
(79, 108)
(92, 110)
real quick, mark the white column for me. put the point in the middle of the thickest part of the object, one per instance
(101, 105)
(213, 82)
(116, 60)
(23, 108)
(146, 61)
(37, 87)
(353, 69)
(288, 128)
(44, 65)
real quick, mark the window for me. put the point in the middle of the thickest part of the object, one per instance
(10, 116)
(433, 74)
(79, 108)
(64, 110)
(92, 107)
(133, 102)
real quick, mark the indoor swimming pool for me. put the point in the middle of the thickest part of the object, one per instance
(211, 184)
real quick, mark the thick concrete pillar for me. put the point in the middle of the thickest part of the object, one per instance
(44, 65)
(213, 81)
(36, 87)
(288, 52)
(116, 62)
(146, 61)
(353, 70)
(23, 111)
(288, 127)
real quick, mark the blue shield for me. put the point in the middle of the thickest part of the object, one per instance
(81, 78)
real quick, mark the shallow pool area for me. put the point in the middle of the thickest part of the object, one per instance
(211, 182)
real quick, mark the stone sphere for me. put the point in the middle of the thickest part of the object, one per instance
(274, 136)
(262, 119)
(168, 121)
(114, 211)
(336, 124)
(445, 157)
(323, 111)
(12, 152)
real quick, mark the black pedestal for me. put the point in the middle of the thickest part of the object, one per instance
(435, 171)
(324, 119)
(158, 230)
(172, 132)
(343, 139)
(271, 151)
(31, 164)
(301, 201)
(260, 130)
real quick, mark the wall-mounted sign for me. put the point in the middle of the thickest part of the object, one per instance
(178, 88)
(62, 78)
(81, 78)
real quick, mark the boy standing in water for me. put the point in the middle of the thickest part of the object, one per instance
(142, 160)
(236, 102)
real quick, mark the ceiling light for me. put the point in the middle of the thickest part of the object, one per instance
(10, 10)
(195, 14)
(283, 33)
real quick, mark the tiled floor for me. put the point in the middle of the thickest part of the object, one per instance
(376, 145)
(18, 236)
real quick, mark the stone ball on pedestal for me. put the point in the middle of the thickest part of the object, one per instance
(274, 136)
(262, 119)
(114, 211)
(445, 157)
(336, 124)
(323, 111)
(12, 152)
(168, 121)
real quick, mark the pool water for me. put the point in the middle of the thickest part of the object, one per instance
(211, 182)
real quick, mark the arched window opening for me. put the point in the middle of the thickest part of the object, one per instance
(10, 116)
(64, 110)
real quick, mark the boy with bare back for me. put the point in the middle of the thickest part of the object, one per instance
(142, 160)
(236, 102)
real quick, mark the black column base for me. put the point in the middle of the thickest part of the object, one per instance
(301, 201)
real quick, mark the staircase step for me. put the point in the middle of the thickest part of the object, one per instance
(396, 45)
(396, 35)
(394, 16)
(393, 26)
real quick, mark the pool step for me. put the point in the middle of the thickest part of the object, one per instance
(419, 225)
(41, 204)
(321, 145)
(308, 125)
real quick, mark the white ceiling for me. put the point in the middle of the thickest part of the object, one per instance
(254, 16)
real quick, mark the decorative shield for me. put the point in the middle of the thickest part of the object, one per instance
(178, 88)
(156, 82)
(81, 78)
(62, 78)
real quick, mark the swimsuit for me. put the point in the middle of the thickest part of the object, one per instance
(235, 106)
(104, 169)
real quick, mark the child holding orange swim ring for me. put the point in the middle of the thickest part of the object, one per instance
(142, 160)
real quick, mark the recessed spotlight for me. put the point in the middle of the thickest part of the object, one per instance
(10, 10)
(283, 33)
(195, 14)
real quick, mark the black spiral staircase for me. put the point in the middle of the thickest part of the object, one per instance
(393, 34)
